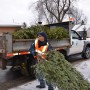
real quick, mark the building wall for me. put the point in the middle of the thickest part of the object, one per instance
(8, 29)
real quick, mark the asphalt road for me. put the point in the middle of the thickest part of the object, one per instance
(9, 79)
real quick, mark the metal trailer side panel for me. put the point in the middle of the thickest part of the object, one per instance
(24, 44)
(2, 44)
(18, 45)
(8, 42)
(3, 51)
(60, 43)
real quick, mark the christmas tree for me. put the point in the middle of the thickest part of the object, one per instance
(61, 73)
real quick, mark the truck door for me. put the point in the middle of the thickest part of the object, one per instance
(77, 43)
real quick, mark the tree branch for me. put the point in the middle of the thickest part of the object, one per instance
(50, 10)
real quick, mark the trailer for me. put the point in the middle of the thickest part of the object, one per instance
(17, 50)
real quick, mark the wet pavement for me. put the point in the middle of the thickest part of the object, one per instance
(83, 65)
(30, 86)
(9, 79)
(8, 74)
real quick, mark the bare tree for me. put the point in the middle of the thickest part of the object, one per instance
(53, 10)
(77, 15)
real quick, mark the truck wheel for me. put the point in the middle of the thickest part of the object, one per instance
(86, 54)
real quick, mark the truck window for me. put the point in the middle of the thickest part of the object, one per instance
(81, 33)
(75, 35)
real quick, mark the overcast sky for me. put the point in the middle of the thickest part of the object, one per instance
(17, 11)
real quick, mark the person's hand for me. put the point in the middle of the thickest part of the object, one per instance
(39, 55)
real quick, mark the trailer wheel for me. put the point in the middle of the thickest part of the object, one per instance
(86, 54)
(65, 54)
(30, 68)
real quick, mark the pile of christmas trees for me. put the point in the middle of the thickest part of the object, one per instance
(60, 73)
(31, 32)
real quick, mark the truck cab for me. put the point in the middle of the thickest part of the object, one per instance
(79, 41)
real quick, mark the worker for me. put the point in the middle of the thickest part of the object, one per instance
(40, 46)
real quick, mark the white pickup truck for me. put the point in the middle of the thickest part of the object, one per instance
(80, 44)
(17, 50)
(83, 45)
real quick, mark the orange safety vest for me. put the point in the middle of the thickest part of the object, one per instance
(41, 49)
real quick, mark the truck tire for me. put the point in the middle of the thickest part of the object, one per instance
(86, 54)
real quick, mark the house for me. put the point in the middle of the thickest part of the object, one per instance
(9, 27)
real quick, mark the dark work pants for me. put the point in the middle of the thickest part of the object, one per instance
(43, 82)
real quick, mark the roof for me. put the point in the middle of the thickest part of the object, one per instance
(62, 24)
(10, 25)
(80, 28)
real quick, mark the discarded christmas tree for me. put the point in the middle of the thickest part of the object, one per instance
(31, 33)
(60, 73)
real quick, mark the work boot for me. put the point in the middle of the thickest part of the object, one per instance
(40, 86)
(50, 88)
